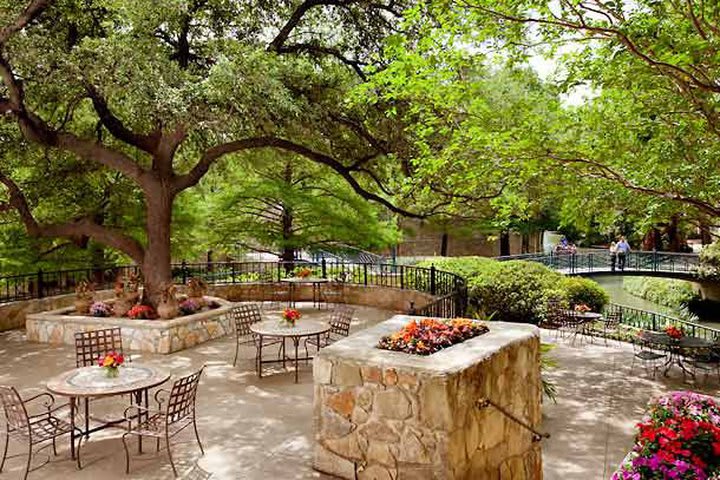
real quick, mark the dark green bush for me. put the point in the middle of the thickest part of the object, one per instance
(582, 290)
(517, 291)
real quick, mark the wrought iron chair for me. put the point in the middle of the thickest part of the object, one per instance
(331, 292)
(707, 361)
(32, 429)
(611, 324)
(90, 345)
(243, 316)
(648, 356)
(173, 415)
(553, 316)
(339, 328)
(572, 325)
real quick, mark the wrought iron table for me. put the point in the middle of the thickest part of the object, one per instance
(303, 329)
(294, 281)
(91, 382)
(675, 347)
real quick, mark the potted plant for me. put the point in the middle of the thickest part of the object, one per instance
(84, 293)
(290, 316)
(111, 362)
(196, 289)
(168, 306)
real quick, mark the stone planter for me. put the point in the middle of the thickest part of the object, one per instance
(155, 336)
(390, 415)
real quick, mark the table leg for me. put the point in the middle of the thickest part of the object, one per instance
(291, 295)
(87, 417)
(259, 360)
(72, 427)
(296, 341)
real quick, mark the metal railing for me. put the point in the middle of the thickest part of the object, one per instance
(602, 262)
(430, 280)
(647, 320)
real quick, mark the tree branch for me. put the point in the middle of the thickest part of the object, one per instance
(146, 143)
(28, 15)
(211, 155)
(75, 229)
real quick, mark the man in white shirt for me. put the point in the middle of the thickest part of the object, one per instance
(623, 248)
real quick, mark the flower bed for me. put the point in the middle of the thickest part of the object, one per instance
(428, 336)
(678, 438)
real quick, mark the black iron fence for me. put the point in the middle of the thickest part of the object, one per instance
(601, 261)
(647, 320)
(428, 280)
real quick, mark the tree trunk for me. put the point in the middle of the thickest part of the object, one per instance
(504, 243)
(156, 267)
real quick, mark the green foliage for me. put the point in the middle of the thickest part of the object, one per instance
(517, 291)
(584, 291)
(709, 266)
(547, 363)
(663, 291)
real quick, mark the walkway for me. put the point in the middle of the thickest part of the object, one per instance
(258, 429)
(655, 264)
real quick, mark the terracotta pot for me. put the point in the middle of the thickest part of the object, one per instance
(82, 306)
(121, 307)
(168, 310)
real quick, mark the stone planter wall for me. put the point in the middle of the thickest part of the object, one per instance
(394, 416)
(387, 298)
(156, 336)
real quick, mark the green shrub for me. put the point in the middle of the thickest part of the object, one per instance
(709, 261)
(582, 290)
(517, 291)
(663, 291)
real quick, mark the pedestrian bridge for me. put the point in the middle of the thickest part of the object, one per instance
(683, 266)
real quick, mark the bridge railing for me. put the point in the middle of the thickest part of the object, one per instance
(430, 280)
(647, 320)
(601, 261)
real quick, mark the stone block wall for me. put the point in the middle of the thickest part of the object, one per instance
(155, 336)
(394, 416)
(387, 298)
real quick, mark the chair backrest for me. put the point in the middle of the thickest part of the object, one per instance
(612, 319)
(90, 345)
(340, 320)
(245, 315)
(181, 402)
(15, 411)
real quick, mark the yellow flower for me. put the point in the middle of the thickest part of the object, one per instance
(108, 361)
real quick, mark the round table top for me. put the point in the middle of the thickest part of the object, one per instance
(682, 342)
(92, 381)
(305, 280)
(302, 328)
(585, 315)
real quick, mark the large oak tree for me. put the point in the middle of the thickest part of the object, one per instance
(157, 92)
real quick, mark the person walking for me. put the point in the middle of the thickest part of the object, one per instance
(613, 256)
(623, 248)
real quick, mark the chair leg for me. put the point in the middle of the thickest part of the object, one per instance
(27, 465)
(172, 463)
(7, 440)
(197, 436)
(237, 349)
(127, 454)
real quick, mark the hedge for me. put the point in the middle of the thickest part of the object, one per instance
(516, 290)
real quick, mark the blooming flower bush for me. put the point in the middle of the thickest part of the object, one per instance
(291, 316)
(679, 438)
(140, 312)
(428, 336)
(303, 272)
(188, 307)
(674, 332)
(100, 309)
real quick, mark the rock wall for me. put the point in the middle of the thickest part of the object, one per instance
(395, 416)
(387, 298)
(12, 315)
(155, 336)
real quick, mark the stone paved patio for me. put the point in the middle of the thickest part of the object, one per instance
(262, 428)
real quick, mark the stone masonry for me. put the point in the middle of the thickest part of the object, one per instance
(155, 336)
(395, 416)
